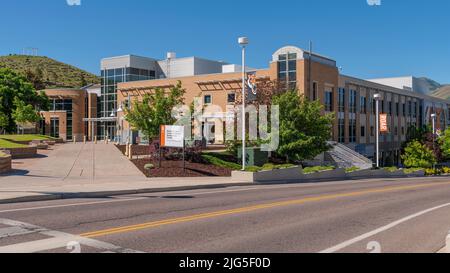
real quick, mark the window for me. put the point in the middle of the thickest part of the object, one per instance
(207, 99)
(397, 109)
(409, 108)
(287, 69)
(341, 131)
(404, 110)
(363, 131)
(352, 101)
(390, 108)
(396, 130)
(363, 105)
(352, 131)
(231, 98)
(314, 95)
(341, 100)
(372, 131)
(329, 101)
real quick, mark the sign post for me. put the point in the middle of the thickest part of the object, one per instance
(172, 137)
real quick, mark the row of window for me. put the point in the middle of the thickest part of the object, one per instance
(231, 98)
(385, 106)
(352, 131)
(128, 71)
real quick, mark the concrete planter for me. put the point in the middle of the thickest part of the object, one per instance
(293, 174)
(25, 152)
(416, 174)
(336, 174)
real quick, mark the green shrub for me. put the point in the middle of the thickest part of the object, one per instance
(418, 155)
(433, 172)
(352, 169)
(446, 170)
(412, 170)
(149, 166)
(309, 170)
(213, 160)
(391, 169)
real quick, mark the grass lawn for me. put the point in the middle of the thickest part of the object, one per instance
(24, 137)
(2, 154)
(5, 144)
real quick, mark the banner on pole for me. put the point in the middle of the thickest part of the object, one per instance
(383, 123)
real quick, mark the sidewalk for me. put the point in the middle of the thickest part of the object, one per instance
(88, 170)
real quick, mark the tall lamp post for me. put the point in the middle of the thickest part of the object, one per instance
(433, 122)
(120, 131)
(377, 98)
(243, 42)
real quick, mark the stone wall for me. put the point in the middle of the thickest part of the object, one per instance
(25, 152)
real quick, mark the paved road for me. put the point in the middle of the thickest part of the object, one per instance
(408, 215)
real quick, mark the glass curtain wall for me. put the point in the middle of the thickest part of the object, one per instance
(108, 101)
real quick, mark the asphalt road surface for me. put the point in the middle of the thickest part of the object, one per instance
(388, 215)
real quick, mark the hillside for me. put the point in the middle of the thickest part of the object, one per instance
(53, 73)
(443, 92)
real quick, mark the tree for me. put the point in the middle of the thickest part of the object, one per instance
(417, 155)
(14, 86)
(155, 110)
(445, 143)
(24, 112)
(304, 129)
(36, 78)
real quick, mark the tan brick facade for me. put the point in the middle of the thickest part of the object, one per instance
(315, 80)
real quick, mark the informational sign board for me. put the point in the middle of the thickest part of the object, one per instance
(172, 136)
(383, 123)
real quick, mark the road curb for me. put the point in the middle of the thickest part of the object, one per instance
(100, 194)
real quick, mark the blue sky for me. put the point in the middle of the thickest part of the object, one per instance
(400, 37)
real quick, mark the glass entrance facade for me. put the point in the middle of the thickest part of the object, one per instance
(108, 101)
(64, 105)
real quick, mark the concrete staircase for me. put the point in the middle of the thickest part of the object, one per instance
(344, 157)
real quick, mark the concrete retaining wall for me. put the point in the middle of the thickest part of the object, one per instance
(296, 174)
(25, 152)
(5, 164)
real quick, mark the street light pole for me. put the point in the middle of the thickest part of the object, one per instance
(377, 122)
(243, 41)
(433, 122)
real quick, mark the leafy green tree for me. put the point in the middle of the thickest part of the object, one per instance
(4, 121)
(445, 143)
(24, 112)
(14, 86)
(154, 110)
(417, 155)
(304, 129)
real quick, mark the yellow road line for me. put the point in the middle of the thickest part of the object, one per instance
(250, 209)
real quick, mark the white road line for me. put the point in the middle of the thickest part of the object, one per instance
(379, 230)
(74, 205)
(58, 240)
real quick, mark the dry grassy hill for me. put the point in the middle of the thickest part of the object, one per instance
(442, 92)
(54, 73)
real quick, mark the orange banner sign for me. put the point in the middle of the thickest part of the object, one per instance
(383, 123)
